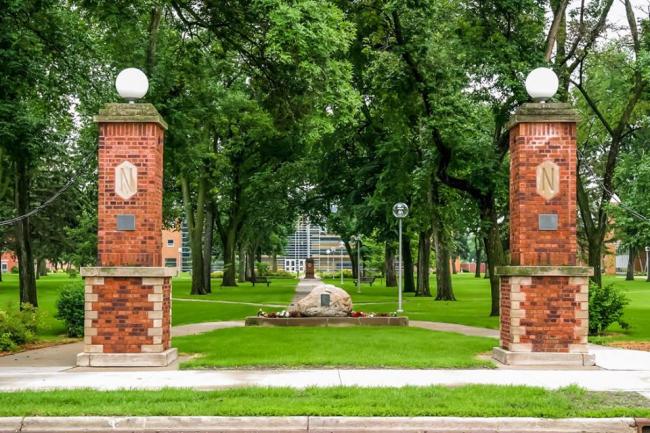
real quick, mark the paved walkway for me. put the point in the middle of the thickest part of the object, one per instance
(214, 301)
(64, 356)
(12, 379)
(303, 288)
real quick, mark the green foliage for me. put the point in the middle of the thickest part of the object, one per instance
(606, 305)
(14, 269)
(70, 309)
(18, 326)
(262, 268)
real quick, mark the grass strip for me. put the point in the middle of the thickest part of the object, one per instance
(363, 346)
(464, 401)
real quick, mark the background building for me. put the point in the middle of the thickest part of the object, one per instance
(313, 241)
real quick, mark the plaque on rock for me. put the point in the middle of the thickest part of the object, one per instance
(125, 222)
(547, 221)
(324, 299)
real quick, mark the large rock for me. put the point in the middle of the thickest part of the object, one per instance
(324, 300)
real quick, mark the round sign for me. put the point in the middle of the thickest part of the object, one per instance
(400, 210)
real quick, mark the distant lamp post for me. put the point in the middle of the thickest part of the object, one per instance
(357, 242)
(542, 84)
(341, 246)
(131, 84)
(647, 262)
(400, 211)
(327, 267)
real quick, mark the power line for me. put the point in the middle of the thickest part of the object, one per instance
(51, 199)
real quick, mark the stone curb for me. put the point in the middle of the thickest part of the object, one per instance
(189, 424)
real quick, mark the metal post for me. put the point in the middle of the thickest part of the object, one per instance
(647, 262)
(341, 260)
(359, 264)
(399, 283)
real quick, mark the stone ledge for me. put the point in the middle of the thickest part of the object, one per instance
(543, 358)
(327, 321)
(286, 424)
(128, 271)
(544, 271)
(129, 113)
(159, 359)
(550, 112)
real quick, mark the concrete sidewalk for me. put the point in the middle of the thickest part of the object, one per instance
(43, 378)
(64, 356)
(317, 424)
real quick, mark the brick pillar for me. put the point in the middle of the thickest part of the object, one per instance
(128, 296)
(544, 295)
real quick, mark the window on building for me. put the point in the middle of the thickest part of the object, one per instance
(170, 262)
(4, 268)
(170, 242)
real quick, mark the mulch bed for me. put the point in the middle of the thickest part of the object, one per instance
(632, 345)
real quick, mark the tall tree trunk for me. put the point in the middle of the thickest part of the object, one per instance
(41, 267)
(424, 256)
(494, 252)
(195, 221)
(594, 257)
(26, 274)
(154, 27)
(389, 265)
(444, 289)
(250, 272)
(352, 254)
(208, 232)
(229, 244)
(274, 262)
(242, 264)
(409, 278)
(453, 265)
(629, 274)
(477, 254)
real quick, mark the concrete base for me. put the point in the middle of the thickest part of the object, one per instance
(543, 358)
(327, 321)
(158, 359)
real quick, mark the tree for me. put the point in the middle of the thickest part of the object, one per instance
(43, 65)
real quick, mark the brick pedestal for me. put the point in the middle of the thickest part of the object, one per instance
(128, 296)
(544, 296)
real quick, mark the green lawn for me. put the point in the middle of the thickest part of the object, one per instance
(334, 347)
(471, 308)
(280, 292)
(637, 312)
(465, 401)
(48, 292)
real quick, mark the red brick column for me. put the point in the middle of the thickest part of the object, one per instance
(128, 297)
(544, 295)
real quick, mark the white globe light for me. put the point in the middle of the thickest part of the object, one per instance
(542, 84)
(131, 84)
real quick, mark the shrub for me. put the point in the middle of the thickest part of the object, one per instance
(14, 269)
(606, 306)
(18, 327)
(70, 309)
(262, 268)
(217, 274)
(280, 274)
(72, 273)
